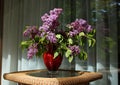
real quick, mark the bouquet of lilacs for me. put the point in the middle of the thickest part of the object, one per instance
(69, 41)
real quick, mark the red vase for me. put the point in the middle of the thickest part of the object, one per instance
(51, 63)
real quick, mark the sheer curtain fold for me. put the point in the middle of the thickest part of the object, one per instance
(106, 41)
(10, 38)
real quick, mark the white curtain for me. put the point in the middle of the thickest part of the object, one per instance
(102, 58)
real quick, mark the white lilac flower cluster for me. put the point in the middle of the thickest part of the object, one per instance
(47, 37)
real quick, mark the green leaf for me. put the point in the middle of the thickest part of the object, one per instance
(90, 35)
(39, 53)
(36, 39)
(56, 54)
(89, 42)
(81, 34)
(63, 46)
(68, 53)
(93, 42)
(70, 59)
(70, 41)
(25, 44)
(93, 31)
(42, 39)
(81, 42)
(60, 40)
(58, 36)
(82, 55)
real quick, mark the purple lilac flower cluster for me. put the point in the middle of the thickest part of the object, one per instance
(32, 50)
(30, 32)
(75, 49)
(50, 23)
(78, 26)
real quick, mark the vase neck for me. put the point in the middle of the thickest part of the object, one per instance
(51, 48)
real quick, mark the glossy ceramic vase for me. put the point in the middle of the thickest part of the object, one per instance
(51, 63)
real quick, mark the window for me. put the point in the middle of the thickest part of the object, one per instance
(103, 14)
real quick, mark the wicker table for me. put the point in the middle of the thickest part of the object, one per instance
(64, 77)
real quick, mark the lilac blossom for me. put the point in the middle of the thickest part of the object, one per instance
(75, 49)
(27, 33)
(51, 20)
(89, 28)
(44, 28)
(82, 22)
(73, 33)
(85, 25)
(32, 50)
(45, 17)
(78, 26)
(30, 32)
(55, 25)
(56, 11)
(51, 37)
(53, 17)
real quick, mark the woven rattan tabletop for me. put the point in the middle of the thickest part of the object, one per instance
(36, 77)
